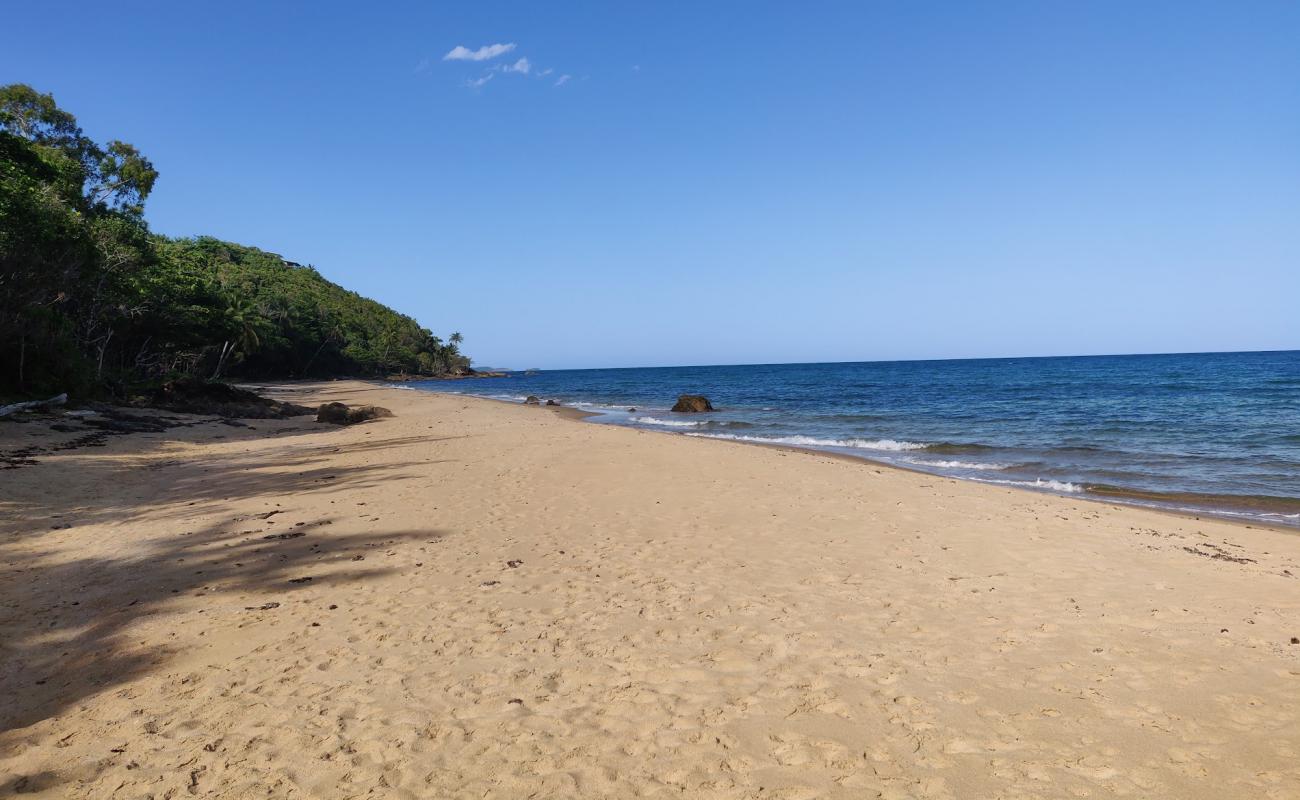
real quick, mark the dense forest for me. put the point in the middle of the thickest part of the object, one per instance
(92, 302)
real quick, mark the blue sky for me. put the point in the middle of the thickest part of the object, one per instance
(727, 182)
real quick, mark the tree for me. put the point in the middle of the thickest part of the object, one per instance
(90, 301)
(242, 323)
(69, 234)
(123, 178)
(33, 116)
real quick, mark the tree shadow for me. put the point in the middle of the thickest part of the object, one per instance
(68, 613)
(29, 440)
(68, 638)
(205, 482)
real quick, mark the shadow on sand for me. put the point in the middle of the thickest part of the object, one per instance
(65, 620)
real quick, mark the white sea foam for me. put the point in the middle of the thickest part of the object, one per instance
(1040, 483)
(920, 462)
(1270, 516)
(669, 423)
(809, 441)
(606, 406)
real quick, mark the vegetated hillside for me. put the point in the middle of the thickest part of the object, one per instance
(278, 318)
(92, 302)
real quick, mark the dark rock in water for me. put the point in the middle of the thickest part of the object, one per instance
(532, 400)
(692, 404)
(340, 414)
(551, 403)
(632, 410)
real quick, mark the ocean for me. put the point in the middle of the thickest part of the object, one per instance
(1215, 433)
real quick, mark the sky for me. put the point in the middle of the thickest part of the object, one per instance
(596, 184)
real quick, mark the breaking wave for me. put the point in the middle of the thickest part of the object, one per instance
(953, 464)
(890, 445)
(1040, 483)
(668, 423)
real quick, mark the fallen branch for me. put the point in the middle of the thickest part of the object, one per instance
(32, 405)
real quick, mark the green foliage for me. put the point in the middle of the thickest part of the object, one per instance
(35, 117)
(91, 301)
(280, 318)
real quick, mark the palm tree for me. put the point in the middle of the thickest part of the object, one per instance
(242, 319)
(454, 358)
(332, 332)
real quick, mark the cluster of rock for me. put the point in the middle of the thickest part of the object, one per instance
(686, 404)
(455, 373)
(194, 396)
(340, 414)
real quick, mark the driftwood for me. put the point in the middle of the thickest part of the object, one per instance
(32, 405)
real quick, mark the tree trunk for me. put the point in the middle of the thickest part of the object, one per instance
(57, 400)
(313, 357)
(139, 357)
(226, 347)
(103, 346)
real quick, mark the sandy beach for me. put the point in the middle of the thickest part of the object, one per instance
(474, 599)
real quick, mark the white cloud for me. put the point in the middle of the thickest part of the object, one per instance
(487, 51)
(521, 66)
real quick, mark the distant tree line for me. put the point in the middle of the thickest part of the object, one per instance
(92, 302)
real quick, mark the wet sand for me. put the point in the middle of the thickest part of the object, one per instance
(473, 599)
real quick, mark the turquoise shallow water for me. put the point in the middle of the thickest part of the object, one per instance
(1217, 432)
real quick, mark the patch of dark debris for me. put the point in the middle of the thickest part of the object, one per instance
(99, 421)
(1217, 553)
(96, 426)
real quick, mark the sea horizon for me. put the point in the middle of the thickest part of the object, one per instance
(489, 369)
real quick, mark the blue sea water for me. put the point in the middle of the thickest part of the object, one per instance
(1212, 432)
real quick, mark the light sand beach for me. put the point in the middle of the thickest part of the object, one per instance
(474, 599)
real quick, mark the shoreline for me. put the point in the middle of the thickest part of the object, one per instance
(476, 599)
(1108, 495)
(1247, 522)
